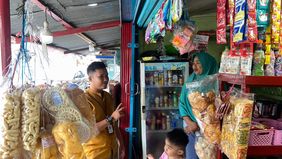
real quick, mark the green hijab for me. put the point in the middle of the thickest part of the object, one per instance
(209, 67)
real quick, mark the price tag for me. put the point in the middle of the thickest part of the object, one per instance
(110, 129)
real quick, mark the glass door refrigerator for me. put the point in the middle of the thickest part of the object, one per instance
(161, 84)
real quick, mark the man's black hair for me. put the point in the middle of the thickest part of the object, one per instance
(178, 137)
(94, 66)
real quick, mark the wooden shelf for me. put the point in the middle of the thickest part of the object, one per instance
(264, 151)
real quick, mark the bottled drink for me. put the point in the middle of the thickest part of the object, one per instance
(167, 122)
(163, 121)
(180, 79)
(151, 79)
(175, 100)
(165, 78)
(153, 124)
(170, 99)
(161, 78)
(161, 100)
(156, 78)
(152, 101)
(157, 102)
(175, 78)
(165, 100)
(169, 74)
(149, 121)
(158, 121)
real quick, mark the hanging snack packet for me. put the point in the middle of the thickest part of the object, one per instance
(246, 63)
(240, 22)
(221, 22)
(176, 10)
(223, 61)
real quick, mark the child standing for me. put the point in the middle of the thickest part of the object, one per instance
(175, 144)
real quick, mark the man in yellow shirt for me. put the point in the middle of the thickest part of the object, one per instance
(105, 144)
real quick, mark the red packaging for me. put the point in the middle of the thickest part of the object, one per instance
(252, 22)
(221, 22)
(221, 36)
(252, 34)
(252, 5)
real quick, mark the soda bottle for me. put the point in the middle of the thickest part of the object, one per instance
(161, 100)
(156, 78)
(165, 100)
(180, 79)
(158, 121)
(170, 99)
(151, 79)
(175, 100)
(157, 102)
(167, 122)
(169, 73)
(161, 78)
(163, 121)
(165, 78)
(175, 78)
(153, 123)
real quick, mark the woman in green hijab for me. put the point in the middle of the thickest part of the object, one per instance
(203, 65)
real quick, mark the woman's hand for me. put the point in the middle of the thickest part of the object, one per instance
(150, 156)
(191, 125)
(191, 128)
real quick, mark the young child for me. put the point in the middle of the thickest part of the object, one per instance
(175, 144)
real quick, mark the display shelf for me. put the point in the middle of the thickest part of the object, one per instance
(264, 151)
(260, 81)
(157, 131)
(164, 108)
(173, 86)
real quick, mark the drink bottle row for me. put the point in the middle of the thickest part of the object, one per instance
(163, 121)
(167, 99)
(164, 78)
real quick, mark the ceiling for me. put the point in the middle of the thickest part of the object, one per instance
(66, 15)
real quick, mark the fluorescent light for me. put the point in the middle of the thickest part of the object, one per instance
(92, 4)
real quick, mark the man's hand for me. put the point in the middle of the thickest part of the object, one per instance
(118, 112)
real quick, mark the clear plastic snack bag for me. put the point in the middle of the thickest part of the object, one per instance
(201, 95)
(204, 149)
(10, 111)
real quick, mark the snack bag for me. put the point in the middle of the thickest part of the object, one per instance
(201, 95)
(258, 63)
(67, 138)
(269, 64)
(236, 125)
(10, 111)
(204, 149)
(223, 61)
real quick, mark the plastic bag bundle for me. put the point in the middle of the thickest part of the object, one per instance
(201, 95)
(236, 125)
(80, 101)
(71, 128)
(31, 99)
(10, 112)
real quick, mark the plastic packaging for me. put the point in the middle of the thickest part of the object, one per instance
(278, 65)
(223, 60)
(269, 64)
(31, 99)
(201, 95)
(176, 10)
(10, 112)
(236, 125)
(204, 149)
(240, 22)
(258, 62)
(221, 22)
(67, 138)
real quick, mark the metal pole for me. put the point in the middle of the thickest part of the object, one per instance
(5, 35)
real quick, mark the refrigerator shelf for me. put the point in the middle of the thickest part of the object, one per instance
(174, 86)
(166, 108)
(158, 131)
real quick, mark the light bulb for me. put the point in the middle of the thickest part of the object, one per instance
(46, 36)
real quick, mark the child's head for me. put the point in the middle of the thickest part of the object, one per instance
(175, 143)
